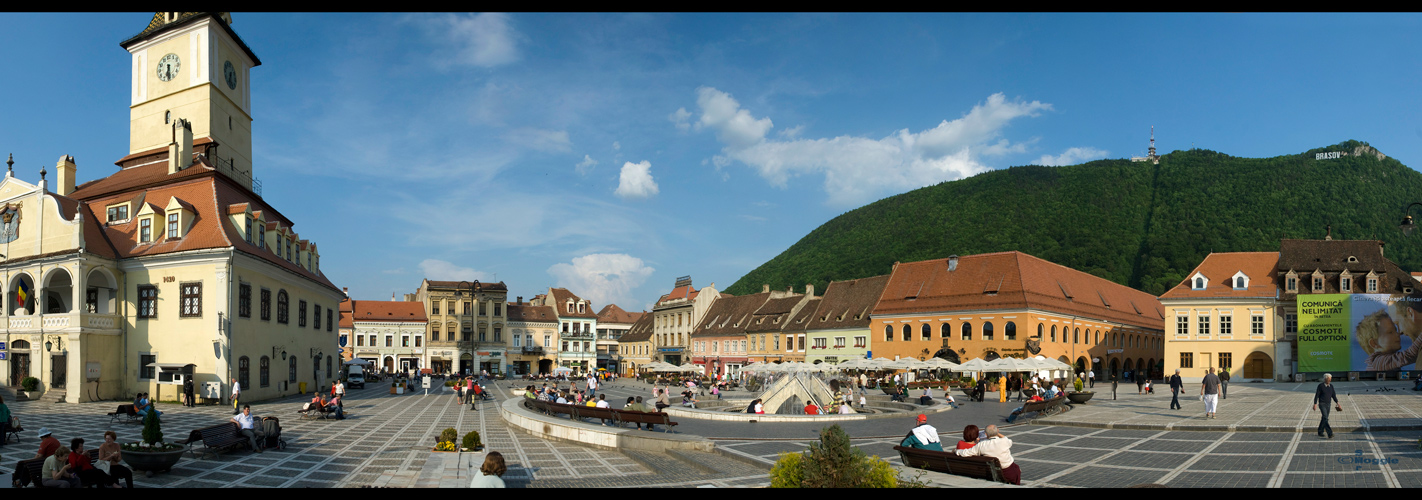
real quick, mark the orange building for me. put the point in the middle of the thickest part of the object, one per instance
(1011, 304)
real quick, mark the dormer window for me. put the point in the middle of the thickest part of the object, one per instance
(581, 307)
(172, 225)
(1372, 285)
(247, 231)
(1352, 259)
(1291, 284)
(1241, 281)
(289, 255)
(1199, 282)
(1317, 284)
(145, 230)
(1345, 285)
(118, 213)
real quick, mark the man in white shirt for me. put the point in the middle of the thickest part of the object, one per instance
(1091, 378)
(244, 423)
(236, 391)
(997, 446)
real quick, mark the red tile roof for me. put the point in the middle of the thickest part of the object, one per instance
(612, 314)
(681, 292)
(641, 331)
(560, 303)
(531, 313)
(1219, 269)
(384, 310)
(730, 315)
(847, 304)
(1014, 280)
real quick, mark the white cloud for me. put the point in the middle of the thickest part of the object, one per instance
(792, 132)
(1071, 156)
(859, 169)
(441, 270)
(586, 165)
(484, 40)
(603, 278)
(616, 145)
(680, 118)
(539, 139)
(636, 181)
(735, 127)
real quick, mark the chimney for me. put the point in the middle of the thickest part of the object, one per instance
(790, 289)
(809, 290)
(520, 300)
(65, 170)
(952, 263)
(347, 291)
(765, 288)
(180, 151)
(392, 296)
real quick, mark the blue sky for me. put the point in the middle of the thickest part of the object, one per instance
(611, 153)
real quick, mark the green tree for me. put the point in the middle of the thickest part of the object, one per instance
(152, 428)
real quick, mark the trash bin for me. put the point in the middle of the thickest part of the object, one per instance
(301, 387)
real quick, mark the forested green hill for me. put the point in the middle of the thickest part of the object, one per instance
(1137, 224)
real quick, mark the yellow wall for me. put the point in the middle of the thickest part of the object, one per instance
(1240, 343)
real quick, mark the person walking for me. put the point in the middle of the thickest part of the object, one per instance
(1323, 394)
(1002, 389)
(1114, 381)
(1175, 387)
(1224, 383)
(188, 400)
(1210, 392)
(236, 394)
(1091, 378)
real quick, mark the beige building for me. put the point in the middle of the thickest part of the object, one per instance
(533, 335)
(187, 270)
(675, 316)
(390, 335)
(635, 347)
(466, 325)
(577, 329)
(612, 324)
(1225, 315)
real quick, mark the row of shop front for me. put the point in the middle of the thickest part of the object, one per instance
(510, 361)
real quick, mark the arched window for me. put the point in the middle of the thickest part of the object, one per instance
(1010, 333)
(1054, 333)
(244, 370)
(967, 331)
(1040, 331)
(292, 376)
(987, 330)
(888, 333)
(1098, 337)
(282, 317)
(944, 330)
(1239, 282)
(265, 371)
(927, 332)
(1199, 283)
(907, 333)
(1076, 336)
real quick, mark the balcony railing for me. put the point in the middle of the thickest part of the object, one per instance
(533, 350)
(62, 320)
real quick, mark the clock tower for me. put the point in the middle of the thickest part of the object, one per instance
(192, 66)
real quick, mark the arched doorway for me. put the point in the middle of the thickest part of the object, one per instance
(99, 293)
(948, 354)
(466, 364)
(19, 361)
(545, 366)
(990, 356)
(1141, 366)
(1130, 367)
(1081, 365)
(1115, 368)
(1151, 369)
(388, 365)
(1259, 365)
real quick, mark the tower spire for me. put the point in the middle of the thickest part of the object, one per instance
(1153, 158)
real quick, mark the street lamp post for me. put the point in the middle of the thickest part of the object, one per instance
(1407, 226)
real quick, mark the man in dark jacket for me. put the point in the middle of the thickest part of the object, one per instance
(1175, 387)
(1224, 383)
(1323, 394)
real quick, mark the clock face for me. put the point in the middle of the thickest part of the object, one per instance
(230, 74)
(168, 67)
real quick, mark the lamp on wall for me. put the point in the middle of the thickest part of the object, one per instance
(49, 345)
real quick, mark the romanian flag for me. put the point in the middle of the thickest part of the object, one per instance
(22, 294)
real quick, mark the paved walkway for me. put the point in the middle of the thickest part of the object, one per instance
(1253, 407)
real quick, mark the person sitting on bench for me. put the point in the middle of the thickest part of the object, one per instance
(922, 436)
(927, 397)
(336, 407)
(1035, 398)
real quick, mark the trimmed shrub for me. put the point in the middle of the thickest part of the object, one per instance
(152, 428)
(832, 463)
(30, 384)
(788, 471)
(448, 435)
(471, 440)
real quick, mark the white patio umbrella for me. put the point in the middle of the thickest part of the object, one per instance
(856, 363)
(562, 369)
(356, 361)
(1012, 365)
(691, 367)
(975, 365)
(940, 363)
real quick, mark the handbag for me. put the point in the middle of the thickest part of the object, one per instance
(103, 465)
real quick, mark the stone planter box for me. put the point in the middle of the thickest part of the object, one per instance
(1079, 397)
(152, 461)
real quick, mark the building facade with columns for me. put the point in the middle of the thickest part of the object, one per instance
(467, 325)
(675, 316)
(390, 335)
(174, 265)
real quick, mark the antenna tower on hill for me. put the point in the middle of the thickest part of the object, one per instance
(1153, 158)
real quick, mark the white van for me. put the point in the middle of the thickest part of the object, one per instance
(355, 377)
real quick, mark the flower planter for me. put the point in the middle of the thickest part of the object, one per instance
(1080, 397)
(399, 390)
(152, 461)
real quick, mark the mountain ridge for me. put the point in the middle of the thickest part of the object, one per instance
(1139, 224)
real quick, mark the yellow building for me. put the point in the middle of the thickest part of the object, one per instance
(467, 325)
(534, 333)
(187, 267)
(635, 347)
(1225, 315)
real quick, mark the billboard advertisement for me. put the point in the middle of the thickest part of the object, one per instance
(1358, 332)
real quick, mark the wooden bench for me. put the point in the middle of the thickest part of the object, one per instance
(35, 467)
(950, 463)
(14, 430)
(218, 437)
(645, 417)
(1043, 408)
(322, 412)
(606, 414)
(125, 412)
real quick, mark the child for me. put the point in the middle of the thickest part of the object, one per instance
(1380, 339)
